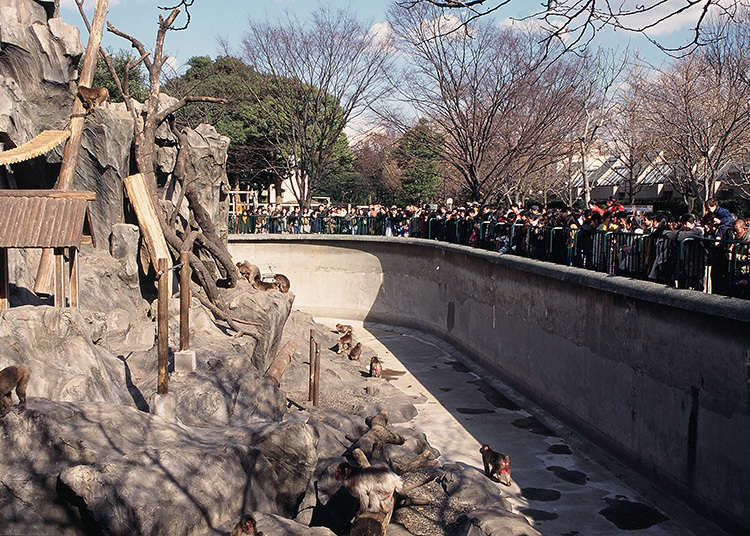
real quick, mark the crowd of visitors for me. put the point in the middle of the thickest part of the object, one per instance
(708, 252)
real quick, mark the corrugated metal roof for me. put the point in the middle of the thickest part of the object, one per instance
(42, 218)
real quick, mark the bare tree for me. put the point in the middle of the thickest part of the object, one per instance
(626, 133)
(698, 111)
(324, 75)
(574, 23)
(599, 73)
(481, 89)
(146, 121)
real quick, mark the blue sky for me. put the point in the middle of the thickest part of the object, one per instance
(229, 18)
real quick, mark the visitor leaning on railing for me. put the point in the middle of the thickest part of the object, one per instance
(710, 255)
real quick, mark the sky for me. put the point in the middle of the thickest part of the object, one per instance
(228, 19)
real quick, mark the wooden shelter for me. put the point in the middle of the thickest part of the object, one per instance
(54, 219)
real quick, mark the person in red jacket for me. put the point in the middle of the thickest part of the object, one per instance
(613, 207)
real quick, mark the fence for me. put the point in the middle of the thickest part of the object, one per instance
(703, 264)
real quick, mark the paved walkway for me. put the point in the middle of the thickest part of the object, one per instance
(563, 484)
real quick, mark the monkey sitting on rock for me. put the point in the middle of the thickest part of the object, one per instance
(249, 271)
(13, 377)
(496, 463)
(345, 342)
(376, 367)
(371, 485)
(355, 352)
(245, 527)
(344, 328)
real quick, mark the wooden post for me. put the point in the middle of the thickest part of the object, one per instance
(185, 301)
(4, 287)
(73, 277)
(316, 382)
(280, 363)
(73, 146)
(162, 329)
(59, 288)
(312, 368)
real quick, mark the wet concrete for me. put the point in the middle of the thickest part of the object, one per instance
(562, 484)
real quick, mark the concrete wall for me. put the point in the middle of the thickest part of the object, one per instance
(659, 376)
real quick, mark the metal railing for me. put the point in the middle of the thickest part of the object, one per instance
(703, 264)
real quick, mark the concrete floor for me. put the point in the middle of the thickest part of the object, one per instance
(563, 484)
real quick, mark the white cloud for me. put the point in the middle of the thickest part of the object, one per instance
(87, 4)
(171, 63)
(675, 23)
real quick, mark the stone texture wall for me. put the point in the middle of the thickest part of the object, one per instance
(657, 375)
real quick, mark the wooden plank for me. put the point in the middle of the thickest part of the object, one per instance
(137, 190)
(185, 301)
(73, 277)
(55, 194)
(162, 328)
(280, 363)
(4, 286)
(59, 290)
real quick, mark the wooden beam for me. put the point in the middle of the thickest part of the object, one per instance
(185, 296)
(56, 194)
(312, 367)
(148, 221)
(73, 277)
(59, 287)
(162, 327)
(280, 363)
(4, 273)
(316, 383)
(77, 120)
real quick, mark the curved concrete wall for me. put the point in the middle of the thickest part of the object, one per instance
(657, 375)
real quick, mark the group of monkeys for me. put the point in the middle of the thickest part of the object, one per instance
(346, 338)
(252, 274)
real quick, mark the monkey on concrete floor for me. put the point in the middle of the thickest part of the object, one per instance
(371, 485)
(245, 527)
(344, 328)
(496, 463)
(91, 97)
(13, 377)
(355, 352)
(376, 367)
(345, 342)
(249, 271)
(282, 282)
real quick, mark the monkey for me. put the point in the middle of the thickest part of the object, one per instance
(245, 527)
(355, 352)
(248, 271)
(91, 97)
(282, 282)
(345, 342)
(264, 285)
(344, 328)
(496, 463)
(13, 377)
(371, 485)
(376, 367)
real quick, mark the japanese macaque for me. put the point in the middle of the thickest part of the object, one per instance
(345, 342)
(344, 328)
(282, 282)
(496, 463)
(91, 97)
(248, 271)
(371, 485)
(355, 352)
(13, 377)
(264, 285)
(245, 527)
(376, 367)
